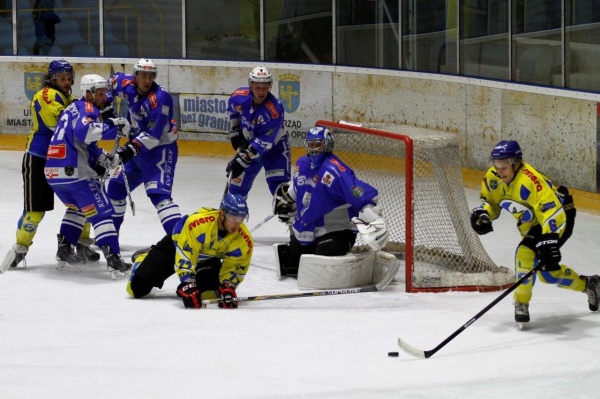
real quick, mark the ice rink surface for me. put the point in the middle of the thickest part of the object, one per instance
(79, 335)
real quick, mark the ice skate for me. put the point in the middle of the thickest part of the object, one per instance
(86, 252)
(521, 314)
(592, 289)
(13, 257)
(116, 266)
(67, 256)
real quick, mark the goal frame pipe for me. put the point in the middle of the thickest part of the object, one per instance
(408, 203)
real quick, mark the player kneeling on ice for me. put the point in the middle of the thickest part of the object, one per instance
(210, 250)
(75, 168)
(545, 216)
(324, 204)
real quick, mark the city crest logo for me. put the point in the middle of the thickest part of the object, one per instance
(289, 92)
(33, 81)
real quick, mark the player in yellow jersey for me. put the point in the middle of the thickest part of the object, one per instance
(545, 217)
(210, 251)
(46, 107)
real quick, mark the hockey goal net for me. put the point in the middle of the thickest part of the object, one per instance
(418, 175)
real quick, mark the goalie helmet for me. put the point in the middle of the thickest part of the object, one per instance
(319, 144)
(91, 83)
(507, 150)
(260, 74)
(145, 65)
(235, 205)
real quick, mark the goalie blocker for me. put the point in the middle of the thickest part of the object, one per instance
(335, 272)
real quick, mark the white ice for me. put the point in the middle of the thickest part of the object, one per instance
(79, 335)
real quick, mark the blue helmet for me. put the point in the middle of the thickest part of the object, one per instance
(235, 204)
(58, 66)
(319, 144)
(507, 150)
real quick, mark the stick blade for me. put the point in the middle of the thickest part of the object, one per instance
(411, 350)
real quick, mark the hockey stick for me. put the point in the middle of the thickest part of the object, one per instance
(411, 350)
(387, 279)
(265, 220)
(131, 203)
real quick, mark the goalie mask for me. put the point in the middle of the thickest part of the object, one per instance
(319, 144)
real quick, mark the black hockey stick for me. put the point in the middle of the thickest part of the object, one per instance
(428, 353)
(385, 281)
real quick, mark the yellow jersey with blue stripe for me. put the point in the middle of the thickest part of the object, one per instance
(46, 106)
(197, 238)
(530, 198)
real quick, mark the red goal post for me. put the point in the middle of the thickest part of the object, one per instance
(418, 175)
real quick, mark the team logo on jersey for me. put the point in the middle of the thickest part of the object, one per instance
(358, 191)
(33, 82)
(153, 100)
(327, 179)
(289, 92)
(339, 165)
(547, 206)
(57, 151)
(89, 210)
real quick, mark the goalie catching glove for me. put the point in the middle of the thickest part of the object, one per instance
(372, 227)
(284, 206)
(480, 221)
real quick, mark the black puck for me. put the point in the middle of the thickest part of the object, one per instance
(393, 354)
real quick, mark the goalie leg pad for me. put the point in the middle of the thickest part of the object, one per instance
(335, 272)
(283, 264)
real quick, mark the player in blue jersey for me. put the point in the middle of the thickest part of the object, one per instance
(75, 168)
(325, 204)
(46, 106)
(258, 135)
(153, 143)
(545, 215)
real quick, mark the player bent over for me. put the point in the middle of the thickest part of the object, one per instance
(325, 203)
(153, 137)
(46, 106)
(545, 217)
(210, 250)
(258, 135)
(75, 167)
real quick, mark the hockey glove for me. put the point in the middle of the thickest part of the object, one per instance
(238, 141)
(372, 227)
(284, 207)
(190, 293)
(106, 161)
(123, 125)
(126, 152)
(480, 221)
(108, 112)
(548, 251)
(227, 292)
(242, 160)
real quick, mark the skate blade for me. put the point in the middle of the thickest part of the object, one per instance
(8, 259)
(522, 326)
(68, 268)
(118, 275)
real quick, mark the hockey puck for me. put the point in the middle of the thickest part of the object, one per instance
(393, 354)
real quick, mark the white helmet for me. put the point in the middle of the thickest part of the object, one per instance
(145, 65)
(260, 74)
(91, 83)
